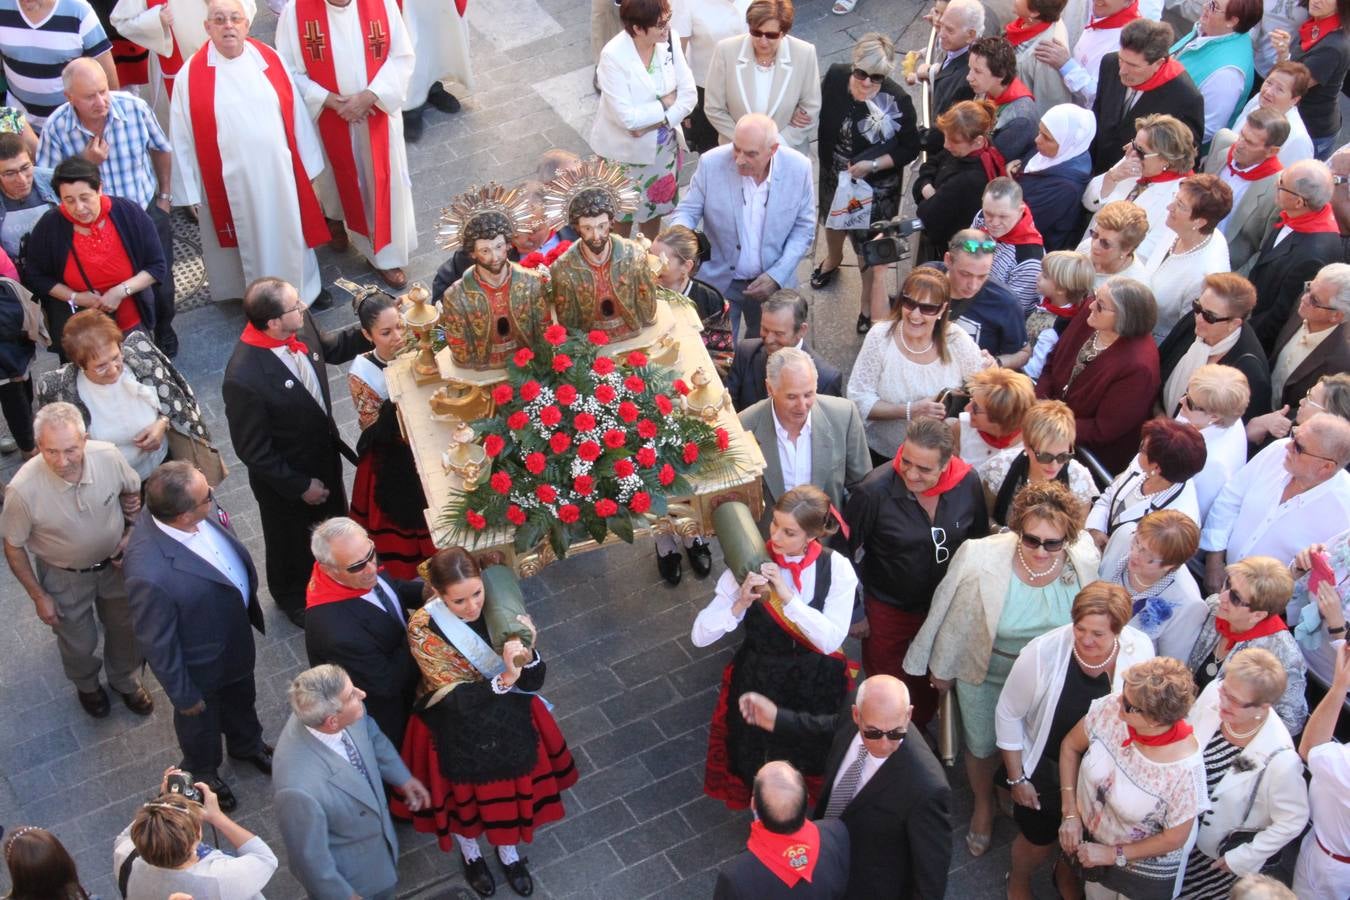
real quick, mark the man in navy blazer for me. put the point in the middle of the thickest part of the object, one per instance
(782, 324)
(757, 203)
(193, 593)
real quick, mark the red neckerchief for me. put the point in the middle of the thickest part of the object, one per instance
(1163, 176)
(1271, 624)
(992, 161)
(792, 857)
(255, 338)
(1024, 232)
(950, 477)
(1178, 732)
(1064, 312)
(1118, 19)
(1316, 222)
(809, 559)
(999, 443)
(1266, 168)
(1323, 27)
(104, 205)
(1019, 30)
(1166, 72)
(323, 589)
(1016, 91)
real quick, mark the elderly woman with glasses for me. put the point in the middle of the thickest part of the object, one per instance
(1000, 593)
(1113, 241)
(1248, 613)
(1258, 802)
(1165, 601)
(126, 389)
(992, 420)
(1171, 453)
(1053, 683)
(1149, 174)
(1215, 399)
(1176, 272)
(1105, 366)
(1046, 454)
(1133, 781)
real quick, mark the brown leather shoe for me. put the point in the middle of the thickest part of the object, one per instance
(95, 702)
(337, 232)
(139, 702)
(395, 278)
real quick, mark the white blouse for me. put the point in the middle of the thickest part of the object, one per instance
(1225, 453)
(120, 411)
(1154, 200)
(1178, 278)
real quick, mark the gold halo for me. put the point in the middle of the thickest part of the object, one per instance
(593, 174)
(492, 198)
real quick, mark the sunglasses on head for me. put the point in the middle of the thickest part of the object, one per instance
(1211, 318)
(773, 36)
(1046, 459)
(928, 309)
(362, 563)
(876, 734)
(989, 245)
(1031, 542)
(868, 76)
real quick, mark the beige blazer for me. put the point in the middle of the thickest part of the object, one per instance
(839, 457)
(730, 89)
(1251, 220)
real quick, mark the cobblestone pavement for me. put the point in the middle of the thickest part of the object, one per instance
(633, 695)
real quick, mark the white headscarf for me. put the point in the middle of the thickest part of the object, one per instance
(1072, 127)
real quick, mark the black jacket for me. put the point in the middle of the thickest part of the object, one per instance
(1179, 98)
(903, 147)
(899, 823)
(1329, 61)
(1246, 355)
(1327, 358)
(949, 88)
(16, 350)
(744, 877)
(1054, 197)
(745, 381)
(1279, 273)
(959, 184)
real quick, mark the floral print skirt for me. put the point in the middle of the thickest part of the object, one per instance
(658, 184)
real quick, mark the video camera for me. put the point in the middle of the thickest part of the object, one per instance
(892, 241)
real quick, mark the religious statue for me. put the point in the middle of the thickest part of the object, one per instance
(603, 281)
(498, 306)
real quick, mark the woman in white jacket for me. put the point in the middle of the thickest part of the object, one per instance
(646, 90)
(1053, 682)
(1258, 801)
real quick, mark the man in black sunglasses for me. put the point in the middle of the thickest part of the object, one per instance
(987, 310)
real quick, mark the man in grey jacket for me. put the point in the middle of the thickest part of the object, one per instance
(327, 772)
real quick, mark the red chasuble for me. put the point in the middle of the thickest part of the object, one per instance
(202, 84)
(170, 65)
(311, 19)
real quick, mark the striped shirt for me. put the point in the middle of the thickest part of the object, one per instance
(131, 132)
(34, 55)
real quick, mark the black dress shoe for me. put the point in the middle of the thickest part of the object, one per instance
(519, 877)
(96, 703)
(412, 125)
(668, 564)
(700, 557)
(323, 301)
(225, 796)
(262, 760)
(139, 702)
(442, 99)
(297, 616)
(480, 878)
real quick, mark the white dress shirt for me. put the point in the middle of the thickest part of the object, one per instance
(793, 457)
(1300, 346)
(214, 550)
(332, 742)
(1225, 454)
(374, 599)
(869, 767)
(754, 205)
(1081, 69)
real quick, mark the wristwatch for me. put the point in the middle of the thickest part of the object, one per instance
(168, 197)
(1120, 856)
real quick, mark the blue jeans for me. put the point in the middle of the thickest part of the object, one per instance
(740, 304)
(1322, 147)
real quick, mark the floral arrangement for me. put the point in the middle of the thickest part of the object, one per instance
(584, 445)
(541, 261)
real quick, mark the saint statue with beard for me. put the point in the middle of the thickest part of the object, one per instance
(498, 306)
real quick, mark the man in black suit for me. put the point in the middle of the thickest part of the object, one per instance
(1316, 341)
(280, 415)
(782, 323)
(1127, 90)
(1303, 239)
(358, 619)
(888, 790)
(962, 22)
(193, 593)
(787, 856)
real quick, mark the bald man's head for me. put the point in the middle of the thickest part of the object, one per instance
(227, 24)
(86, 87)
(753, 145)
(1311, 180)
(882, 710)
(780, 797)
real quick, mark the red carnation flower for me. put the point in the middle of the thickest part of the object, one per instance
(641, 502)
(606, 508)
(546, 493)
(566, 394)
(646, 457)
(551, 416)
(637, 359)
(515, 515)
(517, 420)
(568, 514)
(628, 411)
(502, 394)
(723, 439)
(603, 365)
(666, 476)
(635, 384)
(562, 362)
(614, 438)
(646, 429)
(584, 422)
(604, 393)
(493, 444)
(534, 463)
(559, 442)
(529, 391)
(690, 453)
(583, 485)
(523, 357)
(663, 404)
(500, 481)
(623, 468)
(589, 451)
(681, 388)
(555, 334)
(598, 338)
(475, 520)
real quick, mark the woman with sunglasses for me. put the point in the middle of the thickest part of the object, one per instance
(868, 131)
(1248, 613)
(1170, 454)
(907, 361)
(702, 28)
(1113, 241)
(1132, 783)
(950, 185)
(1165, 601)
(1046, 454)
(999, 593)
(1176, 271)
(1051, 686)
(1214, 402)
(1258, 801)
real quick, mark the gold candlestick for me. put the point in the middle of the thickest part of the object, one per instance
(420, 317)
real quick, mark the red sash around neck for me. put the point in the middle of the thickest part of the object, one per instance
(1178, 732)
(202, 85)
(1016, 91)
(809, 559)
(323, 589)
(951, 476)
(1118, 19)
(1024, 232)
(997, 442)
(1064, 312)
(256, 338)
(311, 19)
(1319, 221)
(104, 207)
(1314, 30)
(1264, 169)
(170, 65)
(1162, 177)
(992, 161)
(1271, 624)
(1169, 70)
(1019, 30)
(792, 857)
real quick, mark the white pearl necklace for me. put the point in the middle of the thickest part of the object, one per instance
(1036, 576)
(904, 343)
(1101, 665)
(1243, 735)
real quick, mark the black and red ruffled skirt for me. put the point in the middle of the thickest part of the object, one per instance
(509, 810)
(401, 549)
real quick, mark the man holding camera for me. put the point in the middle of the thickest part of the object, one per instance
(194, 600)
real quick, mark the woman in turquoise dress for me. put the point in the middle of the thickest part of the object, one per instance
(999, 593)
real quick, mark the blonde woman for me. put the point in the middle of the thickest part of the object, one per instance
(1215, 399)
(992, 420)
(1046, 454)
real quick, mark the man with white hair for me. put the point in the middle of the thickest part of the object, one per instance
(328, 776)
(756, 201)
(1315, 341)
(71, 507)
(962, 22)
(246, 151)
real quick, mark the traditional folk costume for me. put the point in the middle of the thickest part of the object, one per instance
(169, 46)
(345, 50)
(792, 657)
(245, 149)
(387, 496)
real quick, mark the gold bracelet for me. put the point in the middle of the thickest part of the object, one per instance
(1070, 816)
